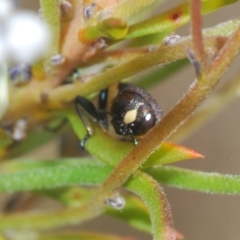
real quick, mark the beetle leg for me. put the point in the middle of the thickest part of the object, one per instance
(134, 140)
(84, 140)
(82, 107)
(86, 106)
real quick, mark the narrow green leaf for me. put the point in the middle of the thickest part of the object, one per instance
(196, 180)
(107, 150)
(167, 153)
(154, 198)
(51, 15)
(210, 6)
(170, 153)
(47, 175)
(89, 34)
(172, 19)
(223, 29)
(125, 9)
(120, 9)
(113, 28)
(150, 39)
(72, 172)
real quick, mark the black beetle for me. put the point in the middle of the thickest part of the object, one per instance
(124, 110)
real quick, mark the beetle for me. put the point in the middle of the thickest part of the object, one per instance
(124, 110)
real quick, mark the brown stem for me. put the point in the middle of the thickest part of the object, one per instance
(174, 119)
(209, 109)
(161, 55)
(33, 99)
(196, 28)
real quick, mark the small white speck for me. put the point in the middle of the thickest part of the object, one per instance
(148, 116)
(116, 202)
(90, 10)
(57, 59)
(171, 39)
(20, 130)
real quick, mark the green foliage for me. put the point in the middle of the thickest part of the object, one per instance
(82, 184)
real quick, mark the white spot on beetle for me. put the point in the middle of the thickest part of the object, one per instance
(130, 116)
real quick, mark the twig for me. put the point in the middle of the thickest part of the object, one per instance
(174, 119)
(196, 28)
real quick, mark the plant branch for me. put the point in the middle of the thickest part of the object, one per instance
(161, 55)
(154, 198)
(196, 28)
(209, 110)
(174, 119)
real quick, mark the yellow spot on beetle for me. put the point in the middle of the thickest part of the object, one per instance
(130, 116)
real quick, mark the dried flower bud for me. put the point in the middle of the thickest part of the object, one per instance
(66, 9)
(90, 10)
(20, 74)
(57, 59)
(116, 202)
(171, 39)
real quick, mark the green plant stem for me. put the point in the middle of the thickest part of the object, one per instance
(131, 7)
(31, 99)
(154, 198)
(51, 14)
(119, 56)
(42, 175)
(161, 55)
(140, 183)
(29, 176)
(174, 119)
